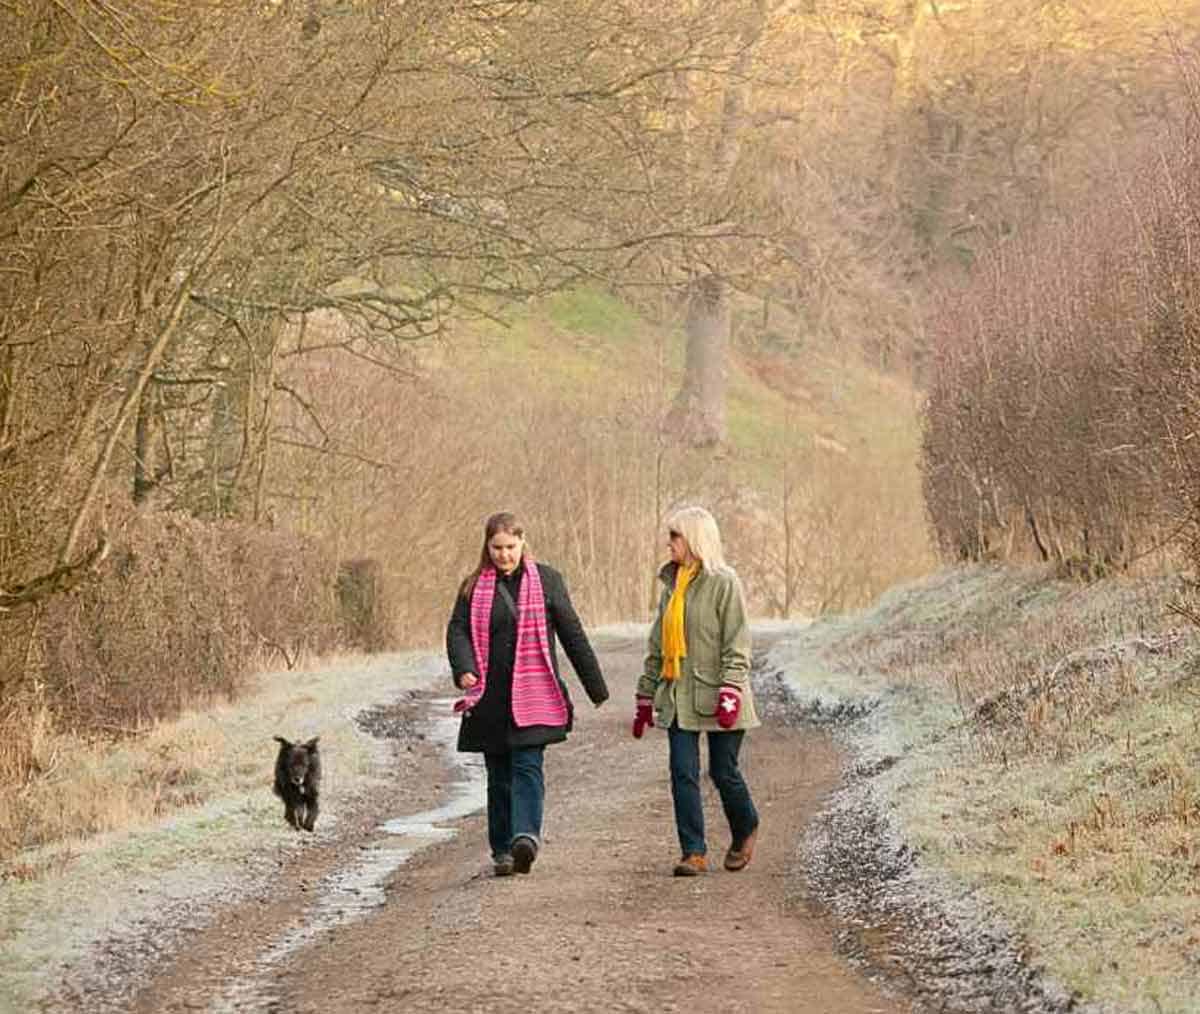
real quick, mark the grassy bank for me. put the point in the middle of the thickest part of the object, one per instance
(1045, 748)
(208, 765)
(184, 813)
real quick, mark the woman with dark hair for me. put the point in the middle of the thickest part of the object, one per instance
(508, 615)
(697, 679)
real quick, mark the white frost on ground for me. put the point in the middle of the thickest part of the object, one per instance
(113, 886)
(117, 882)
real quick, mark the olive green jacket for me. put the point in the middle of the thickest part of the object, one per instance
(718, 646)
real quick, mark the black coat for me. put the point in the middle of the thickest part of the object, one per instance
(488, 727)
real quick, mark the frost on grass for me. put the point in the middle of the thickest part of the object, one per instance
(135, 893)
(1020, 756)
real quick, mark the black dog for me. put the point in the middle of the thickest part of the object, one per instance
(298, 781)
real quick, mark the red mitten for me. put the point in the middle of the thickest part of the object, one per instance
(729, 705)
(643, 717)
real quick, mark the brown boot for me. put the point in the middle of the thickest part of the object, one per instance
(739, 855)
(691, 866)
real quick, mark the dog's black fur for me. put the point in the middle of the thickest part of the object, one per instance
(298, 781)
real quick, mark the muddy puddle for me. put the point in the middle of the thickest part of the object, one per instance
(353, 891)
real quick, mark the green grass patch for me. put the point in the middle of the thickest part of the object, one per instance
(591, 311)
(583, 342)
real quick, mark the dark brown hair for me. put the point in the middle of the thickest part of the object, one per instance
(502, 521)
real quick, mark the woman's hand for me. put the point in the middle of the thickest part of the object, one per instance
(729, 706)
(643, 715)
(467, 680)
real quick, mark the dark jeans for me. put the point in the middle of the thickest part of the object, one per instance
(515, 791)
(739, 809)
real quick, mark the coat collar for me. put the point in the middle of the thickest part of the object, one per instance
(667, 572)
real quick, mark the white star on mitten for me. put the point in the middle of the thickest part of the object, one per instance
(729, 704)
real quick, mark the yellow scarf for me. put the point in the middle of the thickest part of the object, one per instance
(674, 642)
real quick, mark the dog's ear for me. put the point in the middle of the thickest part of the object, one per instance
(280, 739)
(312, 743)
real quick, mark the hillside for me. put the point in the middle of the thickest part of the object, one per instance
(556, 411)
(1023, 782)
(782, 397)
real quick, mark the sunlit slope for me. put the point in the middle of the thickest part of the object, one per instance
(586, 344)
(561, 412)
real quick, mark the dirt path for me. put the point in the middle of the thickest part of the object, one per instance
(600, 924)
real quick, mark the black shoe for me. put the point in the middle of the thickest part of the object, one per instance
(524, 852)
(503, 865)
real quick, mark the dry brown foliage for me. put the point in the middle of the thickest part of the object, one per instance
(183, 612)
(1062, 411)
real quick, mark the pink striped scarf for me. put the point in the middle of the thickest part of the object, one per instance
(537, 698)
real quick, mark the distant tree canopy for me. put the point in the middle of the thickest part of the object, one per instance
(194, 195)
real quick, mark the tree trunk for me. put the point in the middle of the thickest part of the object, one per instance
(130, 401)
(698, 414)
(143, 437)
(263, 451)
(909, 127)
(8, 394)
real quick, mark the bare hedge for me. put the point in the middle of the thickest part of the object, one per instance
(363, 606)
(1063, 417)
(182, 611)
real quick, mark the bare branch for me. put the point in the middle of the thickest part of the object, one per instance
(62, 578)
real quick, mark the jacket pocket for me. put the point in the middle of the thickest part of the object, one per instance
(706, 688)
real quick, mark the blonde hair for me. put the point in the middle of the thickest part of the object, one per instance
(703, 537)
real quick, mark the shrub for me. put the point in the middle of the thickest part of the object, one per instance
(179, 614)
(366, 622)
(1062, 409)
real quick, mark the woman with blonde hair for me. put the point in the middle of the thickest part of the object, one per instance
(501, 641)
(696, 679)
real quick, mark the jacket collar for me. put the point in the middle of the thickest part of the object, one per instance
(667, 572)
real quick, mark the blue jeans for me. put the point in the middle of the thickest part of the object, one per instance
(516, 789)
(739, 808)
